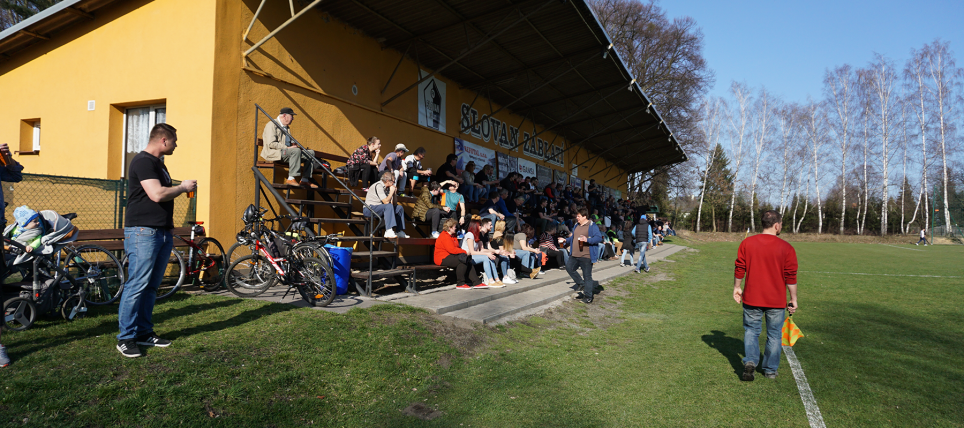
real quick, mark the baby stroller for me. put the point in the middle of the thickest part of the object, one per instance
(55, 276)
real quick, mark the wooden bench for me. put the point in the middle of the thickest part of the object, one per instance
(113, 239)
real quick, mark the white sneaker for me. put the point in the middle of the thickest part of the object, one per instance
(402, 234)
(390, 234)
(508, 280)
(542, 272)
(435, 235)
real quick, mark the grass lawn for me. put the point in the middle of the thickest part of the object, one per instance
(661, 349)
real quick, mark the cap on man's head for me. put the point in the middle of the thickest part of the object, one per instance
(288, 110)
(401, 147)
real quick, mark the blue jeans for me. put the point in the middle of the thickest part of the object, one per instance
(752, 322)
(641, 249)
(586, 282)
(148, 251)
(394, 215)
(527, 258)
(622, 258)
(488, 265)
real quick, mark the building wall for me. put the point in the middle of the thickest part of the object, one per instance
(312, 65)
(135, 53)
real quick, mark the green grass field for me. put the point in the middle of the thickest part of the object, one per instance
(663, 349)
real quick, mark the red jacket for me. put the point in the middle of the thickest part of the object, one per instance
(446, 245)
(768, 263)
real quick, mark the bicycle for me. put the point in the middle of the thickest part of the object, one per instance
(252, 274)
(204, 265)
(256, 226)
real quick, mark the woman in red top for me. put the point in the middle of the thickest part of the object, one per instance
(448, 253)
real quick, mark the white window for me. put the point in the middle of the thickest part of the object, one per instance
(36, 136)
(138, 122)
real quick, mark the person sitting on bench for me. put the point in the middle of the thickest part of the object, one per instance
(448, 253)
(426, 208)
(363, 163)
(278, 147)
(381, 197)
(393, 163)
(414, 169)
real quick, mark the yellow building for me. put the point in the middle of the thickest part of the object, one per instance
(83, 81)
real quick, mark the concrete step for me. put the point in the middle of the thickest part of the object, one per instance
(490, 305)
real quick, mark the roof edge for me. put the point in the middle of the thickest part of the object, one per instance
(42, 15)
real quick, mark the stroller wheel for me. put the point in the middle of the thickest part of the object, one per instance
(73, 308)
(19, 313)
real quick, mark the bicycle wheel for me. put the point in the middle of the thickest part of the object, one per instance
(250, 276)
(174, 273)
(237, 251)
(19, 314)
(98, 270)
(315, 281)
(210, 262)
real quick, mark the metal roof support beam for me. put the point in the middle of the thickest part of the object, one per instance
(571, 115)
(78, 12)
(461, 22)
(400, 60)
(518, 71)
(591, 136)
(35, 35)
(600, 172)
(520, 97)
(488, 39)
(256, 14)
(618, 145)
(591, 91)
(281, 27)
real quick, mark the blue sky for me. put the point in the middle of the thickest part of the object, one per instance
(787, 45)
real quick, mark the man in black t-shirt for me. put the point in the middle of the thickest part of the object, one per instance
(147, 239)
(447, 171)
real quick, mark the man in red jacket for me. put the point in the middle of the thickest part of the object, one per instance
(769, 265)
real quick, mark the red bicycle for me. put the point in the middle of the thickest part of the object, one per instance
(204, 264)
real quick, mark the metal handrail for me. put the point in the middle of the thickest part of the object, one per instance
(317, 164)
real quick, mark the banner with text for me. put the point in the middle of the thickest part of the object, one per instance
(470, 152)
(560, 177)
(502, 134)
(575, 182)
(527, 168)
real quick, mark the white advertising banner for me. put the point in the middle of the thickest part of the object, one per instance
(470, 152)
(527, 168)
(431, 103)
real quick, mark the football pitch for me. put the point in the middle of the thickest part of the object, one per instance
(883, 346)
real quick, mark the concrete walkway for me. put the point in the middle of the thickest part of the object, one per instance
(490, 305)
(485, 306)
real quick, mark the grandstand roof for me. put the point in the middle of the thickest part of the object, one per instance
(549, 60)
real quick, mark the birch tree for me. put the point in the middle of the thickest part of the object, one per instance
(839, 86)
(760, 136)
(916, 73)
(943, 73)
(786, 117)
(709, 127)
(739, 128)
(882, 83)
(815, 126)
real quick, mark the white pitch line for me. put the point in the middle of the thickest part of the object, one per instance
(809, 403)
(902, 248)
(881, 274)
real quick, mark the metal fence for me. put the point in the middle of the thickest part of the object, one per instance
(99, 204)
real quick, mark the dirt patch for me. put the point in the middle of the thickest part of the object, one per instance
(464, 336)
(421, 411)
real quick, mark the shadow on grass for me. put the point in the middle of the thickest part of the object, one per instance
(731, 348)
(234, 321)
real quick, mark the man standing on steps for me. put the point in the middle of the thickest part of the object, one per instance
(769, 266)
(147, 239)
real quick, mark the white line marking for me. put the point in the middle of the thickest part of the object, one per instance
(809, 403)
(881, 274)
(902, 248)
